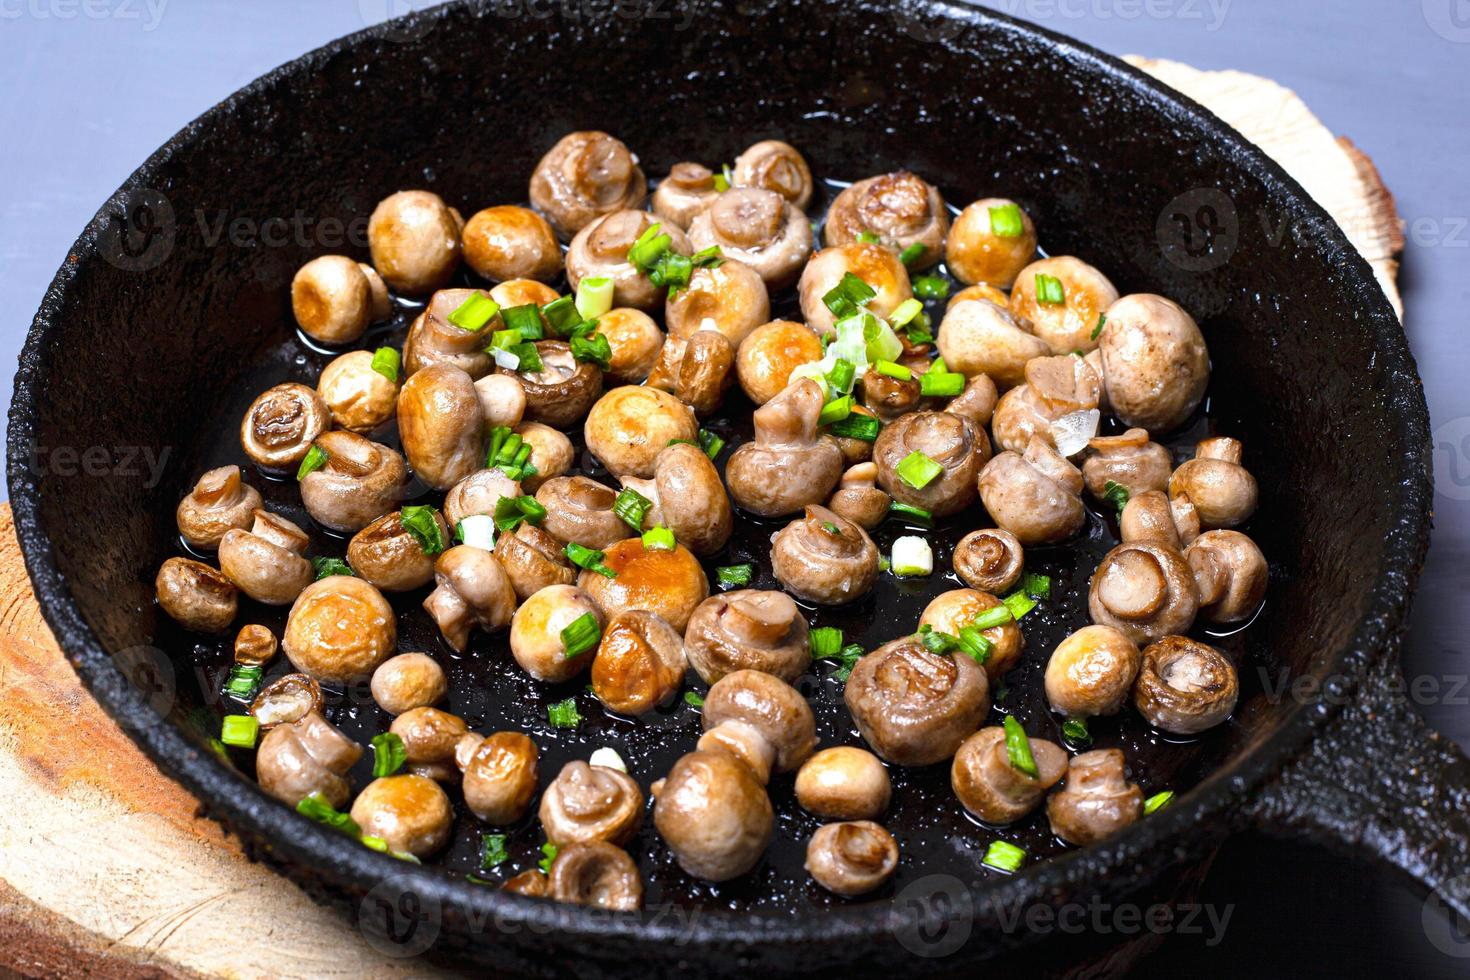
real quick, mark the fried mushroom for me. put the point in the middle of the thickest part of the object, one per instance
(639, 663)
(479, 494)
(1185, 686)
(340, 628)
(669, 583)
(409, 813)
(1036, 496)
(359, 397)
(1145, 590)
(502, 400)
(949, 612)
(360, 481)
(287, 700)
(499, 776)
(977, 402)
(585, 175)
(196, 596)
(978, 336)
(825, 558)
(1230, 573)
(408, 681)
(769, 354)
(1222, 491)
(1130, 460)
(1070, 324)
(914, 707)
(952, 441)
(332, 299)
(306, 757)
(510, 242)
(874, 264)
(990, 560)
(597, 874)
(851, 858)
(433, 338)
(268, 561)
(790, 464)
(697, 370)
(635, 341)
(441, 426)
(630, 426)
(1096, 800)
(391, 557)
(843, 783)
(775, 166)
(601, 249)
(685, 192)
(1090, 672)
(991, 788)
(730, 298)
(984, 246)
(579, 510)
(471, 589)
(591, 803)
(757, 227)
(748, 629)
(1154, 360)
(559, 394)
(536, 632)
(688, 498)
(533, 560)
(220, 501)
(900, 208)
(280, 426)
(761, 720)
(429, 738)
(415, 241)
(858, 499)
(713, 813)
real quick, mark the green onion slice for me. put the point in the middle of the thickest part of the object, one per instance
(548, 857)
(694, 699)
(905, 312)
(892, 370)
(1049, 291)
(561, 315)
(916, 514)
(1018, 748)
(389, 754)
(581, 635)
(1102, 320)
(1116, 494)
(842, 375)
(327, 567)
(1019, 603)
(387, 362)
(594, 350)
(850, 293)
(511, 511)
(476, 311)
(1036, 585)
(913, 253)
(241, 731)
(835, 410)
(1075, 733)
(735, 576)
(918, 470)
(524, 320)
(936, 641)
(975, 644)
(564, 714)
(849, 656)
(1004, 856)
(824, 641)
(420, 521)
(649, 248)
(315, 458)
(589, 559)
(868, 237)
(943, 384)
(318, 809)
(1158, 801)
(632, 507)
(492, 851)
(856, 426)
(992, 617)
(659, 539)
(930, 287)
(710, 443)
(1006, 221)
(594, 296)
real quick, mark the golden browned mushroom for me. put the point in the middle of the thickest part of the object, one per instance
(630, 426)
(730, 298)
(824, 557)
(533, 560)
(769, 354)
(992, 240)
(502, 400)
(953, 442)
(685, 192)
(441, 425)
(635, 341)
(851, 858)
(408, 681)
(304, 757)
(280, 425)
(510, 242)
(591, 803)
(889, 398)
(858, 499)
(759, 719)
(1230, 573)
(1223, 492)
(561, 393)
(601, 250)
(414, 238)
(332, 299)
(536, 632)
(434, 339)
(1058, 402)
(584, 176)
(1036, 496)
(1144, 589)
(580, 510)
(639, 663)
(359, 397)
(391, 557)
(990, 560)
(982, 290)
(843, 783)
(478, 494)
(359, 482)
(219, 501)
(499, 776)
(1155, 365)
(410, 813)
(669, 583)
(1090, 672)
(532, 882)
(255, 645)
(977, 402)
(949, 612)
(1150, 516)
(758, 227)
(775, 166)
(900, 208)
(977, 336)
(990, 786)
(1060, 299)
(267, 562)
(748, 629)
(196, 596)
(551, 453)
(714, 814)
(522, 292)
(1096, 799)
(688, 498)
(875, 265)
(1130, 460)
(598, 874)
(287, 700)
(339, 629)
(1185, 686)
(790, 464)
(429, 738)
(471, 589)
(914, 707)
(697, 369)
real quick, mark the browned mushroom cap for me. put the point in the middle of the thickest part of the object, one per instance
(1185, 686)
(825, 558)
(591, 803)
(266, 561)
(1036, 496)
(1129, 460)
(730, 298)
(1144, 589)
(1223, 492)
(949, 612)
(584, 176)
(500, 777)
(510, 242)
(1230, 573)
(639, 663)
(433, 339)
(332, 299)
(914, 707)
(875, 265)
(535, 632)
(974, 251)
(766, 706)
(714, 815)
(471, 590)
(990, 560)
(280, 425)
(305, 757)
(858, 498)
(890, 398)
(991, 788)
(748, 629)
(1096, 799)
(976, 402)
(408, 681)
(563, 390)
(630, 426)
(635, 341)
(1070, 324)
(598, 874)
(1155, 365)
(255, 645)
(982, 290)
(387, 555)
(843, 783)
(685, 192)
(287, 700)
(775, 166)
(532, 882)
(522, 292)
(219, 501)
(429, 739)
(533, 560)
(1055, 388)
(551, 453)
(359, 482)
(758, 227)
(689, 499)
(441, 426)
(601, 249)
(954, 442)
(790, 464)
(1152, 517)
(410, 813)
(977, 336)
(697, 369)
(580, 510)
(770, 353)
(851, 858)
(195, 595)
(358, 397)
(669, 583)
(339, 629)
(900, 208)
(1091, 671)
(502, 400)
(478, 494)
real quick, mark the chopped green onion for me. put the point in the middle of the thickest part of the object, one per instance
(913, 253)
(474, 312)
(1116, 494)
(849, 655)
(564, 714)
(386, 361)
(856, 426)
(905, 312)
(649, 248)
(1006, 221)
(389, 754)
(492, 851)
(723, 178)
(842, 375)
(912, 556)
(694, 699)
(880, 342)
(381, 845)
(835, 410)
(975, 644)
(992, 617)
(1019, 603)
(884, 564)
(581, 635)
(672, 270)
(594, 349)
(243, 682)
(931, 287)
(942, 384)
(916, 514)
(868, 237)
(1158, 801)
(734, 575)
(548, 857)
(524, 320)
(318, 809)
(561, 315)
(511, 511)
(708, 258)
(589, 559)
(1018, 748)
(327, 567)
(477, 531)
(498, 436)
(631, 507)
(824, 641)
(917, 331)
(918, 470)
(832, 529)
(892, 370)
(850, 293)
(935, 641)
(505, 449)
(594, 296)
(241, 731)
(505, 339)
(1075, 733)
(710, 443)
(422, 523)
(659, 539)
(315, 458)
(1102, 319)
(1036, 585)
(1004, 856)
(527, 359)
(1049, 290)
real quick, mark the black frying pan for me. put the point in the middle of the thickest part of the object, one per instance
(157, 331)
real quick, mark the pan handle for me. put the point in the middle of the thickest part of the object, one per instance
(1380, 783)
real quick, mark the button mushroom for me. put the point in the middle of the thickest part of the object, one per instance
(775, 166)
(255, 646)
(409, 813)
(669, 583)
(890, 398)
(500, 777)
(597, 874)
(914, 707)
(759, 719)
(591, 803)
(697, 370)
(1230, 573)
(1096, 799)
(287, 700)
(584, 176)
(531, 882)
(533, 560)
(408, 681)
(1090, 672)
(851, 858)
(629, 427)
(332, 299)
(510, 242)
(266, 562)
(339, 629)
(856, 450)
(1036, 496)
(790, 464)
(688, 498)
(714, 814)
(1059, 299)
(471, 589)
(758, 227)
(441, 425)
(982, 290)
(977, 402)
(1185, 686)
(730, 298)
(220, 500)
(359, 482)
(635, 341)
(502, 400)
(580, 510)
(434, 339)
(955, 443)
(414, 238)
(875, 265)
(478, 495)
(1155, 365)
(1222, 491)
(992, 240)
(563, 390)
(391, 557)
(551, 453)
(359, 397)
(429, 738)
(843, 783)
(990, 560)
(639, 663)
(989, 785)
(769, 354)
(978, 336)
(825, 558)
(195, 595)
(949, 612)
(900, 208)
(685, 192)
(1130, 460)
(1145, 590)
(1150, 516)
(280, 425)
(601, 249)
(748, 629)
(536, 639)
(523, 292)
(304, 757)
(858, 499)
(1057, 389)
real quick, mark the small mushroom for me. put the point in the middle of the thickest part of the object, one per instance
(990, 560)
(635, 341)
(761, 720)
(952, 441)
(890, 398)
(758, 227)
(1222, 491)
(591, 803)
(669, 583)
(714, 814)
(429, 738)
(1056, 388)
(789, 464)
(219, 501)
(286, 700)
(304, 757)
(730, 298)
(533, 560)
(1150, 516)
(825, 558)
(977, 253)
(1036, 496)
(478, 495)
(875, 265)
(994, 790)
(196, 596)
(1069, 325)
(1096, 800)
(441, 426)
(359, 398)
(267, 562)
(502, 400)
(415, 241)
(982, 290)
(500, 777)
(914, 707)
(584, 176)
(559, 394)
(858, 499)
(434, 339)
(1145, 590)
(851, 858)
(769, 354)
(748, 629)
(510, 242)
(536, 632)
(1090, 672)
(531, 882)
(1185, 686)
(900, 208)
(601, 249)
(392, 558)
(280, 425)
(339, 629)
(551, 453)
(688, 498)
(255, 646)
(597, 874)
(949, 612)
(1130, 460)
(579, 510)
(685, 192)
(630, 426)
(408, 681)
(1230, 573)
(977, 402)
(978, 336)
(523, 292)
(471, 589)
(359, 482)
(1155, 365)
(639, 663)
(332, 299)
(697, 370)
(843, 783)
(410, 813)
(775, 166)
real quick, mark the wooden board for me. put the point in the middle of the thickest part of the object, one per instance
(105, 866)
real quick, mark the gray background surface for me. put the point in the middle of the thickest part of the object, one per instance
(89, 87)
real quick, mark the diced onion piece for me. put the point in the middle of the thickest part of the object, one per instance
(505, 359)
(1073, 431)
(817, 371)
(607, 757)
(912, 556)
(479, 531)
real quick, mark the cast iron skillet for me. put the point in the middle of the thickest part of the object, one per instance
(165, 315)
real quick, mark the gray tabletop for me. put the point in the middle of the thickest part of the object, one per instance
(90, 87)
